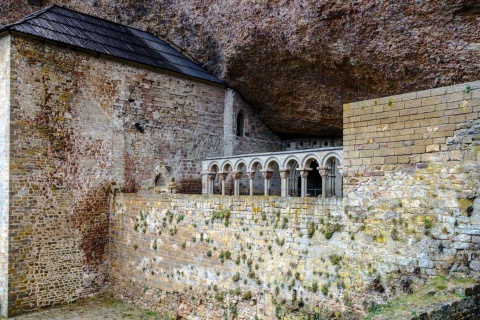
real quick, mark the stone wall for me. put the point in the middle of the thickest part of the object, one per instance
(410, 211)
(170, 252)
(417, 155)
(81, 127)
(4, 167)
(256, 138)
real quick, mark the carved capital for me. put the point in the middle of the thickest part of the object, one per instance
(223, 175)
(304, 172)
(211, 176)
(251, 174)
(237, 175)
(267, 175)
(284, 174)
(323, 172)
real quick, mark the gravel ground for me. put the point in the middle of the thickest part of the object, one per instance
(102, 307)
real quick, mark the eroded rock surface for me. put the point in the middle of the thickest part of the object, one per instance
(297, 61)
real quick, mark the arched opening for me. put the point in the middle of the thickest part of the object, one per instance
(314, 181)
(216, 188)
(274, 188)
(334, 179)
(244, 183)
(257, 185)
(229, 181)
(159, 180)
(240, 125)
(293, 179)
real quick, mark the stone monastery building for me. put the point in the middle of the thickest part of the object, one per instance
(126, 167)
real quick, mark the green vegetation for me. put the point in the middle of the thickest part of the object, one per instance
(428, 222)
(330, 229)
(325, 290)
(335, 259)
(432, 293)
(236, 277)
(221, 215)
(311, 229)
(247, 295)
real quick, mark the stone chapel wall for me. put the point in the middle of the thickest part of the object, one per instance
(257, 137)
(4, 167)
(84, 127)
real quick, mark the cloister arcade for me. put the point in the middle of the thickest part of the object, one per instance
(302, 173)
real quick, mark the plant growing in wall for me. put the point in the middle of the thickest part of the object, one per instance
(170, 216)
(329, 230)
(311, 229)
(284, 223)
(236, 277)
(428, 222)
(325, 290)
(335, 259)
(247, 295)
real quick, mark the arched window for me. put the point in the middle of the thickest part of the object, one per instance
(240, 124)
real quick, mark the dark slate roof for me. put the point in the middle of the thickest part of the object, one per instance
(109, 38)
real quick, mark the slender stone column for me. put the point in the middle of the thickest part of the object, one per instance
(267, 175)
(223, 176)
(324, 174)
(251, 175)
(210, 184)
(303, 175)
(237, 175)
(284, 175)
(341, 171)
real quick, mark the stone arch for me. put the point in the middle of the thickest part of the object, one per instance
(162, 176)
(290, 161)
(239, 165)
(307, 160)
(334, 180)
(214, 167)
(226, 165)
(269, 163)
(252, 166)
(329, 155)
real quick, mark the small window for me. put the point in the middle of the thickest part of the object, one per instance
(240, 125)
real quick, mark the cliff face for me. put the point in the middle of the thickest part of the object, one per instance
(297, 61)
